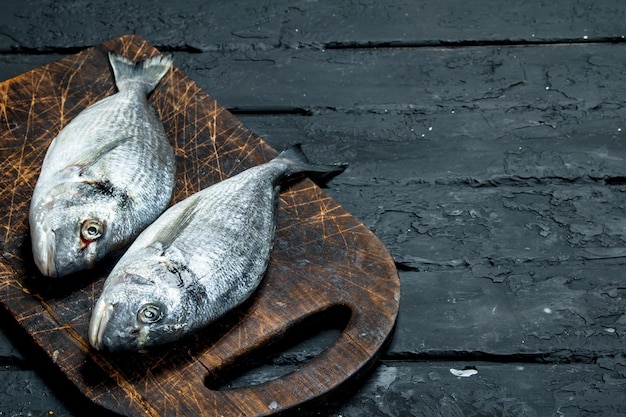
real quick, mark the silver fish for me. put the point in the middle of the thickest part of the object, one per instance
(202, 257)
(106, 176)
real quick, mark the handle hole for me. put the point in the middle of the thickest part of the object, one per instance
(292, 350)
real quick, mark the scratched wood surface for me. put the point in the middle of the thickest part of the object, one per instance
(326, 266)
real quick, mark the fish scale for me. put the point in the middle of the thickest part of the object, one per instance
(201, 258)
(108, 174)
(127, 117)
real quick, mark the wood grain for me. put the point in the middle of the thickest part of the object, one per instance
(325, 263)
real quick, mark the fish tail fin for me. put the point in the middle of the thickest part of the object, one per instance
(148, 72)
(298, 162)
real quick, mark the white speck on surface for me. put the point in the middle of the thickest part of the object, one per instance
(547, 310)
(55, 356)
(273, 405)
(430, 128)
(463, 373)
(385, 376)
(609, 330)
(619, 129)
(585, 37)
(547, 87)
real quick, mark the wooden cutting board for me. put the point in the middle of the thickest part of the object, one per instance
(325, 264)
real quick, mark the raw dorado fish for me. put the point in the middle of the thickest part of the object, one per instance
(199, 259)
(106, 176)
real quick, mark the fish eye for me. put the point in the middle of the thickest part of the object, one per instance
(91, 229)
(149, 313)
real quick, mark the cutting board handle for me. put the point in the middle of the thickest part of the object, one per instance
(347, 357)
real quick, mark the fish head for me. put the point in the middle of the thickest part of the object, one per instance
(136, 311)
(70, 233)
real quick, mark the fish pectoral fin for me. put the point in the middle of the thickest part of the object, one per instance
(83, 164)
(166, 235)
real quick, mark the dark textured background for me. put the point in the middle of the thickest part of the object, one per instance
(486, 143)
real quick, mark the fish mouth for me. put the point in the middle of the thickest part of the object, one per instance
(98, 325)
(44, 251)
